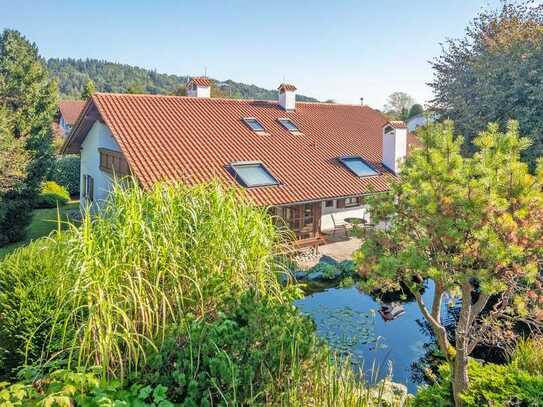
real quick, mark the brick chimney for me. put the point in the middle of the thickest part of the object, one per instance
(287, 96)
(199, 87)
(394, 145)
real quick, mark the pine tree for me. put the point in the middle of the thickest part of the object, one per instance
(88, 90)
(29, 98)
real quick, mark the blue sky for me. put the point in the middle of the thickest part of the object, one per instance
(339, 50)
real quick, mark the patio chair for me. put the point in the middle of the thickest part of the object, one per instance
(339, 225)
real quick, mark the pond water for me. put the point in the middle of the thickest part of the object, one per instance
(351, 323)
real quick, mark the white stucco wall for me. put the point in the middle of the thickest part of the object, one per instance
(340, 214)
(287, 100)
(394, 148)
(99, 136)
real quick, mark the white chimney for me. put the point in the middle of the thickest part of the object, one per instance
(394, 145)
(287, 96)
(199, 87)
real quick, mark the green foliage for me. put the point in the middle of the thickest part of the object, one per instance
(88, 90)
(29, 99)
(328, 271)
(415, 110)
(111, 287)
(66, 388)
(495, 73)
(13, 156)
(66, 172)
(234, 359)
(52, 195)
(490, 385)
(73, 74)
(528, 356)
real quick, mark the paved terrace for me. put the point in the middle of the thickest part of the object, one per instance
(337, 247)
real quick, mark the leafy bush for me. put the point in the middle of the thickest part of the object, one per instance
(326, 270)
(65, 388)
(348, 268)
(52, 195)
(66, 172)
(107, 289)
(490, 385)
(235, 359)
(15, 216)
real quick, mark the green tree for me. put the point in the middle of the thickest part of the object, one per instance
(29, 98)
(88, 90)
(13, 156)
(398, 105)
(494, 74)
(415, 110)
(136, 89)
(474, 226)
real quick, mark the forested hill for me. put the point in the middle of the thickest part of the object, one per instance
(73, 74)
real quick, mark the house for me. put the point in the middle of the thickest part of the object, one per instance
(67, 114)
(419, 120)
(312, 163)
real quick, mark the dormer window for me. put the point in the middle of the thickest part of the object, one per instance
(357, 166)
(254, 124)
(289, 125)
(253, 174)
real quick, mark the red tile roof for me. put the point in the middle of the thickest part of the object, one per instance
(70, 109)
(200, 81)
(195, 139)
(286, 87)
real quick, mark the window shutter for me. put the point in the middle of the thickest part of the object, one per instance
(341, 203)
(91, 188)
(84, 185)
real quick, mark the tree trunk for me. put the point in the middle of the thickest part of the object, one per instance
(459, 367)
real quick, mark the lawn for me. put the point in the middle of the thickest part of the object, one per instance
(43, 222)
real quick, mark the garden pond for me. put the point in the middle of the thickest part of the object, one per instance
(354, 324)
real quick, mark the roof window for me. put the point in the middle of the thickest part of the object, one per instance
(253, 174)
(253, 124)
(357, 166)
(289, 124)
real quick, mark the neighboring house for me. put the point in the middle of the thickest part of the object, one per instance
(418, 121)
(308, 161)
(68, 112)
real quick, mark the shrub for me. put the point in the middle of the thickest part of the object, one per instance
(52, 195)
(528, 356)
(65, 388)
(110, 288)
(348, 268)
(234, 359)
(490, 385)
(328, 271)
(66, 172)
(15, 216)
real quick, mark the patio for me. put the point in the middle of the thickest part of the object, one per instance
(338, 248)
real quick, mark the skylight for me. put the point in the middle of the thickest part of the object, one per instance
(288, 124)
(253, 174)
(357, 166)
(253, 124)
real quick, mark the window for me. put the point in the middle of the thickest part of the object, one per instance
(357, 166)
(253, 124)
(253, 174)
(353, 201)
(88, 187)
(329, 204)
(289, 125)
(113, 162)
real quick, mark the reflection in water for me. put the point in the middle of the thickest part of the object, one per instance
(353, 323)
